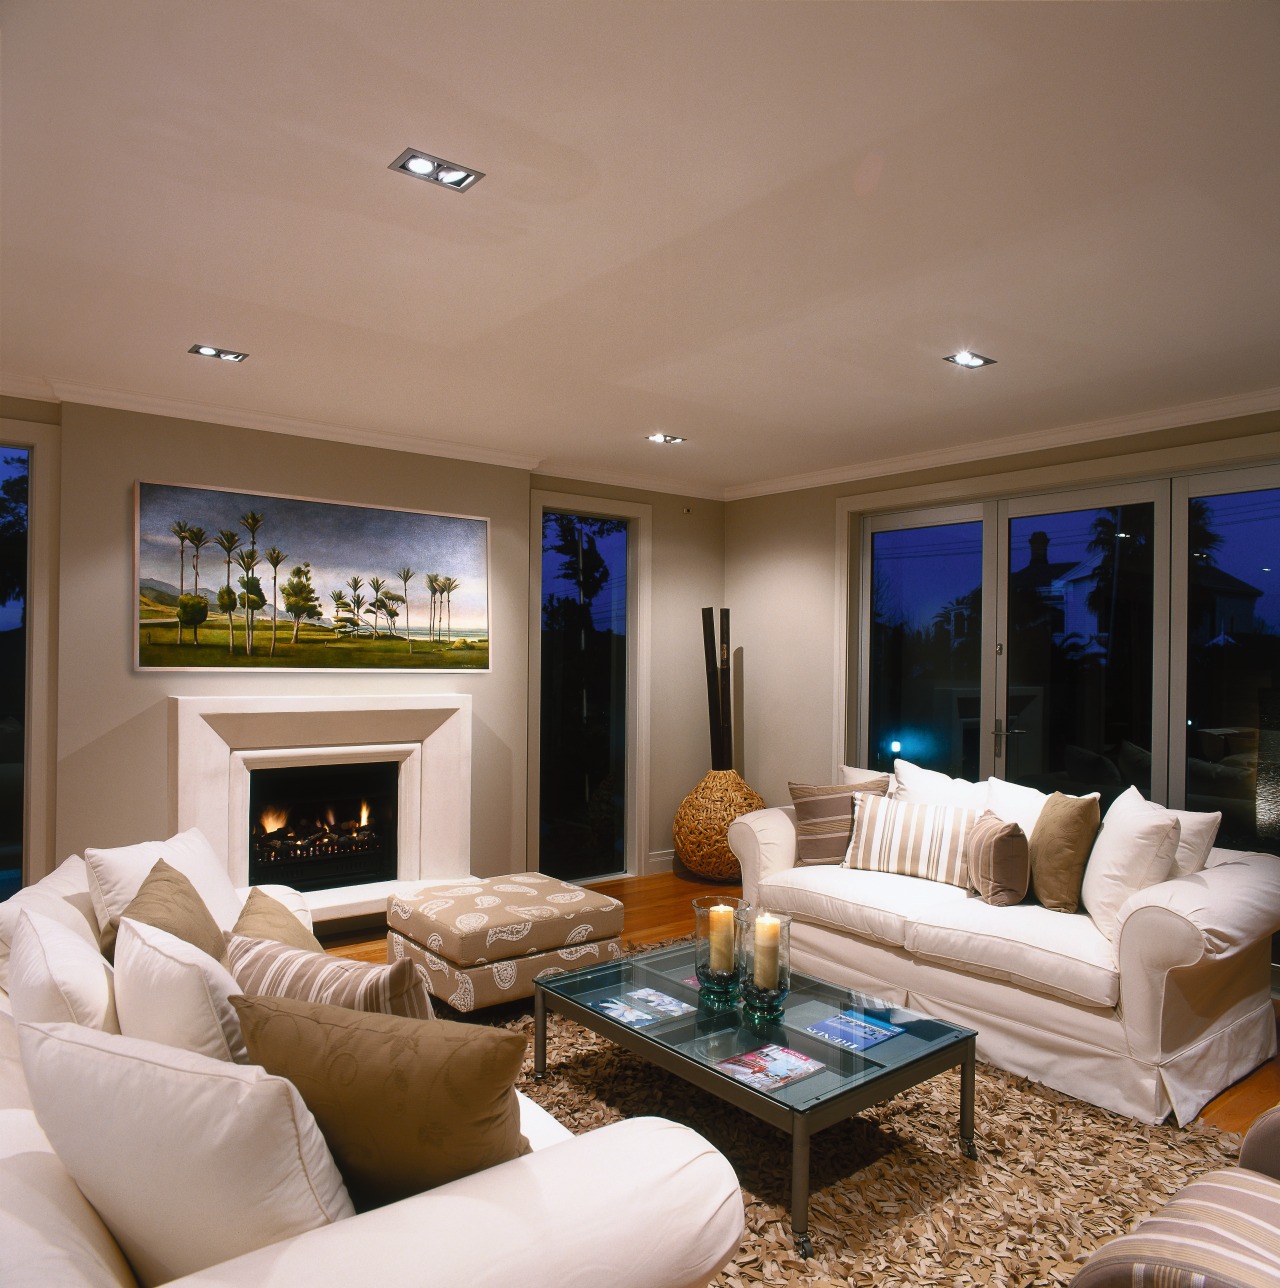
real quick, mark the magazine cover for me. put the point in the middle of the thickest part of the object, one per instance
(769, 1067)
(662, 1003)
(642, 1006)
(854, 1030)
(616, 1009)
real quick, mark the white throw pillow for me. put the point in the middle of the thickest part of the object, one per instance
(55, 974)
(189, 1161)
(853, 776)
(169, 991)
(115, 876)
(1199, 831)
(928, 787)
(62, 895)
(1134, 849)
(1015, 803)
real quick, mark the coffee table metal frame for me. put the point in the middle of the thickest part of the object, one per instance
(801, 1122)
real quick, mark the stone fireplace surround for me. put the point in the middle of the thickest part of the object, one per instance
(218, 740)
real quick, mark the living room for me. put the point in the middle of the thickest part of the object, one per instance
(758, 228)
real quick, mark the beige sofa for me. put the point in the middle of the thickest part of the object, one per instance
(644, 1202)
(1158, 1019)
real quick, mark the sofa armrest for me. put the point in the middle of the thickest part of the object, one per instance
(1260, 1151)
(644, 1203)
(763, 842)
(1194, 952)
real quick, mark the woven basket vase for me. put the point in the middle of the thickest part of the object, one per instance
(701, 827)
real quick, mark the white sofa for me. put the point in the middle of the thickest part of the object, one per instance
(577, 1210)
(1160, 1019)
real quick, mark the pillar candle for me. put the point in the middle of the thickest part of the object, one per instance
(766, 943)
(721, 937)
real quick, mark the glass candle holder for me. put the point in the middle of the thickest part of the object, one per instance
(716, 929)
(764, 962)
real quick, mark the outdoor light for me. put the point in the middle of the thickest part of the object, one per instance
(895, 746)
(447, 174)
(971, 360)
(211, 351)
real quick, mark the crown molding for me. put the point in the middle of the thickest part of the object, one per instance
(1092, 431)
(14, 386)
(356, 435)
(549, 468)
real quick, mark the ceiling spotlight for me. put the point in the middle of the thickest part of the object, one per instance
(422, 165)
(971, 360)
(664, 438)
(211, 351)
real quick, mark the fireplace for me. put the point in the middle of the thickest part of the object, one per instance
(320, 827)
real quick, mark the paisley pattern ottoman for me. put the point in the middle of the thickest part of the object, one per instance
(488, 940)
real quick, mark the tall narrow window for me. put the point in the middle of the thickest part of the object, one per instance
(1233, 664)
(582, 783)
(14, 474)
(925, 647)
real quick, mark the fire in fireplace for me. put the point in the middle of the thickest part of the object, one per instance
(314, 827)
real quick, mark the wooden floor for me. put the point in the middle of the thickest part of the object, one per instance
(659, 907)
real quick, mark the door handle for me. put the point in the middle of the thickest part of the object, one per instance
(999, 733)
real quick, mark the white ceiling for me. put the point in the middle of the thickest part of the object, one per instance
(759, 224)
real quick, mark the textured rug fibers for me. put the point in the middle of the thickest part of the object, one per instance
(893, 1201)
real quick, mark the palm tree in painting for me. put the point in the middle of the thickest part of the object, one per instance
(251, 597)
(356, 599)
(341, 608)
(377, 586)
(275, 557)
(300, 600)
(251, 521)
(197, 538)
(180, 528)
(433, 585)
(447, 586)
(228, 541)
(406, 575)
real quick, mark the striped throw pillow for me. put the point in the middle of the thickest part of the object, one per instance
(912, 840)
(999, 861)
(268, 968)
(824, 818)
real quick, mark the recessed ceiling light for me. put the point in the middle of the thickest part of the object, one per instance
(664, 438)
(971, 360)
(212, 351)
(448, 174)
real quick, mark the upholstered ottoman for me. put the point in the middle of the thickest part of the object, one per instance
(488, 940)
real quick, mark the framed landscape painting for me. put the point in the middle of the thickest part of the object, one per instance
(247, 580)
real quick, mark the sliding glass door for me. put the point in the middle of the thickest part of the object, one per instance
(15, 463)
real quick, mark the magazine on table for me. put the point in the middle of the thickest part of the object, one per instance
(642, 1006)
(769, 1067)
(854, 1030)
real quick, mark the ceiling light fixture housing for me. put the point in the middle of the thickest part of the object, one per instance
(212, 351)
(446, 174)
(665, 439)
(970, 360)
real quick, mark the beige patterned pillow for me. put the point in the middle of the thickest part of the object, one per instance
(912, 840)
(824, 818)
(403, 1106)
(266, 967)
(999, 860)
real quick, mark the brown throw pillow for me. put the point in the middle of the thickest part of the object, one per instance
(404, 1105)
(1060, 845)
(263, 917)
(266, 967)
(168, 901)
(824, 818)
(999, 860)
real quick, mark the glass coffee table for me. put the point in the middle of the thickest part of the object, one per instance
(786, 1073)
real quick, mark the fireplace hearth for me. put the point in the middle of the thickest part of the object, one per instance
(318, 827)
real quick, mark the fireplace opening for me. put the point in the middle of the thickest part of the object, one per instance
(316, 827)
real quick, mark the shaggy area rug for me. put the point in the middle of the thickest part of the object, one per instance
(893, 1200)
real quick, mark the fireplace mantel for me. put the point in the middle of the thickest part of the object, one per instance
(217, 740)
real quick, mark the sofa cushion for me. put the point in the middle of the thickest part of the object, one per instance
(189, 1161)
(116, 875)
(1199, 831)
(1016, 803)
(62, 895)
(1060, 847)
(263, 917)
(266, 967)
(875, 905)
(856, 776)
(56, 974)
(1134, 849)
(168, 901)
(404, 1104)
(1062, 954)
(171, 992)
(824, 818)
(999, 860)
(928, 787)
(912, 840)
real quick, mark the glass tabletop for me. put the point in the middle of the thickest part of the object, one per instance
(829, 1040)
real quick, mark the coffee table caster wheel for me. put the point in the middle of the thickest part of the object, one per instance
(969, 1149)
(804, 1246)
